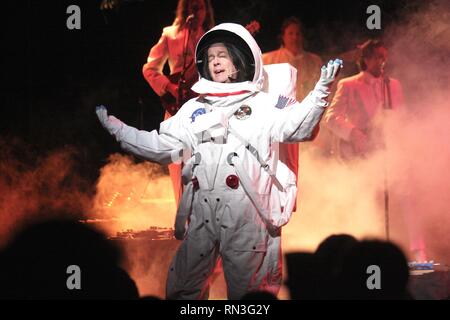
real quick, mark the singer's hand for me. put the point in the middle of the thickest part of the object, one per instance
(110, 123)
(359, 141)
(328, 74)
(173, 90)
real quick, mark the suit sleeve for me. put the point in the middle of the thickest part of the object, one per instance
(153, 69)
(335, 118)
(164, 147)
(298, 122)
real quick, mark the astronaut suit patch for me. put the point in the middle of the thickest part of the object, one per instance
(243, 112)
(284, 101)
(197, 113)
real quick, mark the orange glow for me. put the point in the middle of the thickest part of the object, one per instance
(133, 196)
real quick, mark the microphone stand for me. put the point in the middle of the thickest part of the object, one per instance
(182, 80)
(387, 105)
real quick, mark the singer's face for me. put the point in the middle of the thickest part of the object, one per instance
(220, 64)
(292, 37)
(375, 63)
(198, 9)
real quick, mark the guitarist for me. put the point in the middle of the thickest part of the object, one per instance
(176, 47)
(354, 113)
(355, 117)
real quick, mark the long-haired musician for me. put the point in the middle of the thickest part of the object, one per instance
(176, 47)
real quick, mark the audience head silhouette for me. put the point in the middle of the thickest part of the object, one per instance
(375, 269)
(63, 259)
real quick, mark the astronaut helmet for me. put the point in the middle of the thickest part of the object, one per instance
(242, 49)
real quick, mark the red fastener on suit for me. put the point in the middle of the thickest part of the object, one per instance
(232, 181)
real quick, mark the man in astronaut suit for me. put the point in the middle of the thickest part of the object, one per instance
(237, 195)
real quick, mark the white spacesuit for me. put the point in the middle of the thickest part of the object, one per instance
(237, 194)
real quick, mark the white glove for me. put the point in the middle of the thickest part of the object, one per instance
(110, 123)
(328, 74)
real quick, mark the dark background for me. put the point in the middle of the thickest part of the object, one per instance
(53, 77)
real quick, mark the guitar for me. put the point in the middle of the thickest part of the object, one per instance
(253, 27)
(185, 81)
(346, 150)
(172, 104)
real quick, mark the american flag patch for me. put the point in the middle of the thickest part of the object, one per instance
(284, 101)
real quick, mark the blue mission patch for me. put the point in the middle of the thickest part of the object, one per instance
(196, 113)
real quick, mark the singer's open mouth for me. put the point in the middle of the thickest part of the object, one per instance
(219, 71)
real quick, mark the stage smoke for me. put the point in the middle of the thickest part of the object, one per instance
(336, 197)
(31, 189)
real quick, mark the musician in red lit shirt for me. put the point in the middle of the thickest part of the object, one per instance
(193, 19)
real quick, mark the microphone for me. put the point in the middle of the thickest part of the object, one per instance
(383, 72)
(190, 18)
(230, 74)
